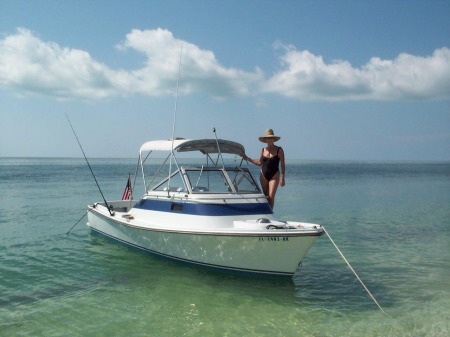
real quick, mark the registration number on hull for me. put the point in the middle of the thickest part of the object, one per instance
(273, 238)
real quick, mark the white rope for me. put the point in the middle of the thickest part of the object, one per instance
(354, 272)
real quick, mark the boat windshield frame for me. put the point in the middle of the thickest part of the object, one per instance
(215, 180)
(213, 177)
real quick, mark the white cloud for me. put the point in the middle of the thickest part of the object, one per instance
(307, 77)
(29, 65)
(200, 70)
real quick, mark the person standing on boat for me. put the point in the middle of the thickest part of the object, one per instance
(271, 158)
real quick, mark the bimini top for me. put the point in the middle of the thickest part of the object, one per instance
(203, 145)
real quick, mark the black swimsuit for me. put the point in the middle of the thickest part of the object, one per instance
(269, 166)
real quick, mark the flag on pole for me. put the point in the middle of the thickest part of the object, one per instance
(127, 192)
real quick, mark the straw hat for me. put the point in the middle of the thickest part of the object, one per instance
(269, 134)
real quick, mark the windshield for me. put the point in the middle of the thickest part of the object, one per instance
(212, 180)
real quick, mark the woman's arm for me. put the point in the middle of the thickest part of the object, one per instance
(255, 162)
(283, 167)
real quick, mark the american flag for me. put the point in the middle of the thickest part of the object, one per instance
(127, 192)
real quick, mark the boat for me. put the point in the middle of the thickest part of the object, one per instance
(202, 205)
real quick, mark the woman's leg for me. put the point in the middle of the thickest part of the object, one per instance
(270, 187)
(273, 186)
(264, 185)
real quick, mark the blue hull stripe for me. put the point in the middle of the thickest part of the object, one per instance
(204, 209)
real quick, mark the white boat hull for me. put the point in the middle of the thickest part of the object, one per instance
(253, 249)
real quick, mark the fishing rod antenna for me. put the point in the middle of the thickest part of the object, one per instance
(174, 119)
(218, 147)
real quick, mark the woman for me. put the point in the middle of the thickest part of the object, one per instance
(271, 158)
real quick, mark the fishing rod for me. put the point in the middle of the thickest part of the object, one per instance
(90, 168)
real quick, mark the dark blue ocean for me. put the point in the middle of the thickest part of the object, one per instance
(391, 221)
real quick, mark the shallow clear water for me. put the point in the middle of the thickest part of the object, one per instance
(391, 220)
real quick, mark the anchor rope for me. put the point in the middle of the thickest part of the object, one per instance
(76, 223)
(354, 272)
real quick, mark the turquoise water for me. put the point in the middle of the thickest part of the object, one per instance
(391, 220)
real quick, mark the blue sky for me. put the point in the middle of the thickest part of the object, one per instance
(337, 80)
